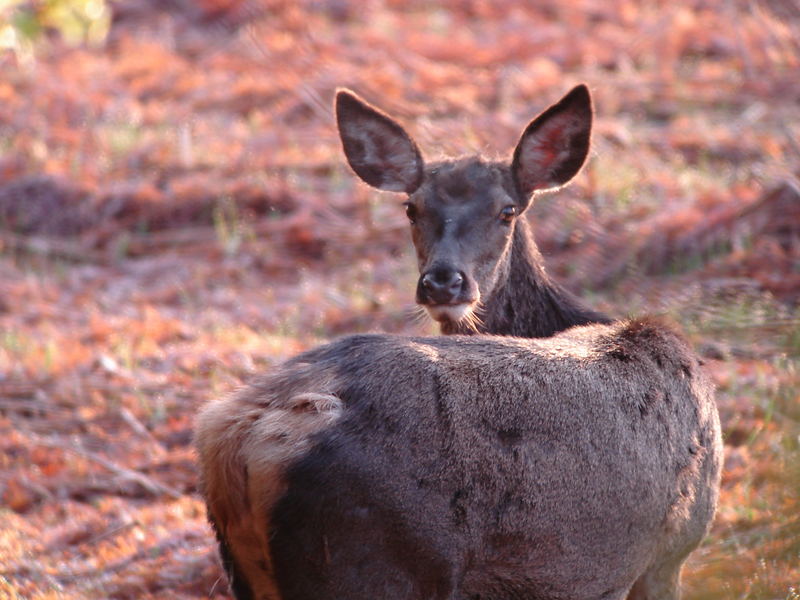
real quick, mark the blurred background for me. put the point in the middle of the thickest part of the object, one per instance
(176, 215)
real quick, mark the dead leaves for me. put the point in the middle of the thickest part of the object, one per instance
(175, 217)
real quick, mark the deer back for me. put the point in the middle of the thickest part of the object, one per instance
(474, 466)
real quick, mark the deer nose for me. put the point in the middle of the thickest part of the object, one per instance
(442, 286)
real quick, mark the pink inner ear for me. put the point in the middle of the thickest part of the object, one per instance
(546, 149)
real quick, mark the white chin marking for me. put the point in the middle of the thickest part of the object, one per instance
(453, 313)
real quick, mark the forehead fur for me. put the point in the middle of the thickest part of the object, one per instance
(465, 178)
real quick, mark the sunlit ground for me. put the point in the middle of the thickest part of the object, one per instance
(175, 217)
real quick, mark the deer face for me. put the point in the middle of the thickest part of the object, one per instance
(462, 219)
(463, 212)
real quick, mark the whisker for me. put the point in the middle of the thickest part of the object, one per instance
(478, 309)
(417, 314)
(471, 321)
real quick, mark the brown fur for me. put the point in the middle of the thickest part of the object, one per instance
(245, 443)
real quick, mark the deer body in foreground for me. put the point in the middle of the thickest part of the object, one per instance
(582, 466)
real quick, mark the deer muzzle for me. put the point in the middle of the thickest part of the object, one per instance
(445, 293)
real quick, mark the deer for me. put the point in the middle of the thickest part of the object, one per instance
(480, 268)
(558, 454)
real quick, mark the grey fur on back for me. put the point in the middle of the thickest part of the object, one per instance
(577, 466)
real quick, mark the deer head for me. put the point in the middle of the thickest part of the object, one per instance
(464, 212)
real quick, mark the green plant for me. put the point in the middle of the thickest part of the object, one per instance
(229, 226)
(22, 24)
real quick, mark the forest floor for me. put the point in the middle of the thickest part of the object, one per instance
(176, 215)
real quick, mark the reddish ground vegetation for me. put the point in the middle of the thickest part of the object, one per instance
(175, 215)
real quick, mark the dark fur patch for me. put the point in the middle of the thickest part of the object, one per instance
(509, 436)
(656, 339)
(648, 400)
(458, 504)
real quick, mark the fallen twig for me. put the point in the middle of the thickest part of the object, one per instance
(50, 247)
(138, 427)
(154, 487)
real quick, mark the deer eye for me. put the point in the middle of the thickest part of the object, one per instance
(411, 212)
(508, 213)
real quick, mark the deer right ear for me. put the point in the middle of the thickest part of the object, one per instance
(377, 148)
(555, 144)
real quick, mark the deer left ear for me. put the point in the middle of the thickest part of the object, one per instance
(377, 147)
(555, 144)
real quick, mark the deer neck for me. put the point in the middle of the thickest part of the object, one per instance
(526, 302)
